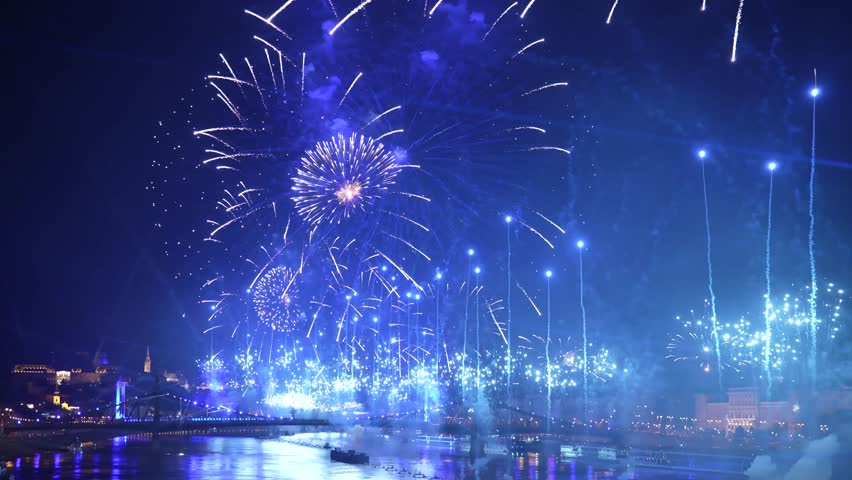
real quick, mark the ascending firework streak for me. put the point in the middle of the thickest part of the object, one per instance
(812, 299)
(768, 303)
(466, 311)
(548, 274)
(509, 311)
(737, 30)
(476, 271)
(702, 154)
(581, 245)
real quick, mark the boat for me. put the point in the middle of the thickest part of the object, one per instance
(75, 447)
(435, 441)
(491, 445)
(517, 447)
(349, 456)
(326, 446)
(570, 452)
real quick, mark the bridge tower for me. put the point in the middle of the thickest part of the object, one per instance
(119, 399)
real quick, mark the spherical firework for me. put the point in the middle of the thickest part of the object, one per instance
(341, 176)
(275, 299)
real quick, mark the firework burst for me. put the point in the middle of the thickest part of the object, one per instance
(275, 299)
(342, 176)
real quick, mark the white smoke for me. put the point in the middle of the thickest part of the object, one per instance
(761, 468)
(814, 464)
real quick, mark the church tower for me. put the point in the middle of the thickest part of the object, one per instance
(147, 368)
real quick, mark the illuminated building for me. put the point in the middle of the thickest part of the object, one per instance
(147, 367)
(744, 409)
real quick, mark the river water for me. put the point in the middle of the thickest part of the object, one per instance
(230, 458)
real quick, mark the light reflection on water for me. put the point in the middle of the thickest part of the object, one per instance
(230, 458)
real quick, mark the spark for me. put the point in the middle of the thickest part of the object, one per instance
(271, 71)
(349, 15)
(406, 218)
(494, 318)
(280, 9)
(280, 54)
(227, 156)
(401, 271)
(392, 109)
(414, 195)
(556, 149)
(551, 222)
(513, 5)
(410, 246)
(333, 9)
(349, 89)
(392, 132)
(302, 93)
(530, 300)
(435, 7)
(540, 40)
(537, 233)
(282, 32)
(611, 11)
(549, 85)
(530, 4)
(737, 31)
(537, 129)
(230, 79)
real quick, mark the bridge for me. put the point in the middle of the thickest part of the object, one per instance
(164, 425)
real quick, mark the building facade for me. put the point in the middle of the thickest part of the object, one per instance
(744, 409)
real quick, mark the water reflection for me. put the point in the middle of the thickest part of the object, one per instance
(230, 458)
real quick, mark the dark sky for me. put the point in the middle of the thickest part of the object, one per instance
(87, 82)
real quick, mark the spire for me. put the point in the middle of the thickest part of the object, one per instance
(147, 368)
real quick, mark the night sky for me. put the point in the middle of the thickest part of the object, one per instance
(87, 83)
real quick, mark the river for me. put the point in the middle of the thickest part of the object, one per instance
(230, 458)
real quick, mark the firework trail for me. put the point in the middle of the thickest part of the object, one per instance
(812, 298)
(513, 5)
(540, 40)
(526, 9)
(535, 307)
(581, 245)
(357, 77)
(548, 274)
(703, 5)
(611, 11)
(545, 87)
(435, 7)
(466, 312)
(768, 306)
(509, 308)
(477, 271)
(348, 16)
(561, 230)
(737, 31)
(713, 319)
